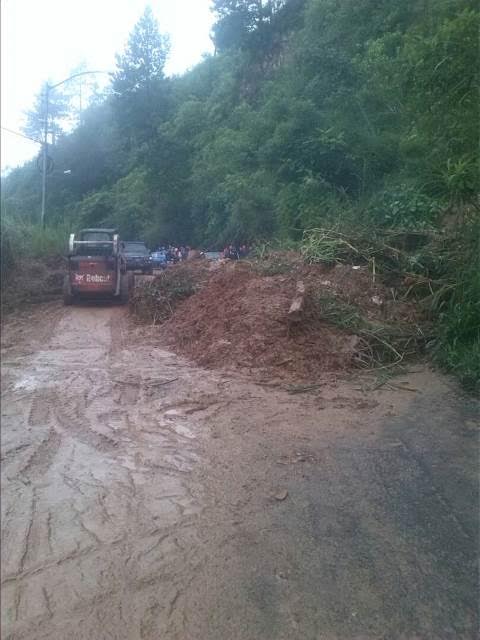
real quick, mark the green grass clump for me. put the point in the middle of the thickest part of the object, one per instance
(463, 360)
(457, 347)
(329, 246)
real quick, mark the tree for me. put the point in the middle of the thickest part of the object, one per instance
(139, 83)
(242, 23)
(144, 58)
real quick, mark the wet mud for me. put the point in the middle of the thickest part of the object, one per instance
(146, 498)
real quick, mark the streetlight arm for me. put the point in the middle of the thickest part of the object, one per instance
(82, 73)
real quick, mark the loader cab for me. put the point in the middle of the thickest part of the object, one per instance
(97, 242)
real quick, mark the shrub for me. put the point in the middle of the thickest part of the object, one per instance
(23, 240)
(405, 207)
(458, 343)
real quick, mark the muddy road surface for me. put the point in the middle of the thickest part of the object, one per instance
(146, 499)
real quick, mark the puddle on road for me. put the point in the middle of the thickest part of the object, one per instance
(182, 430)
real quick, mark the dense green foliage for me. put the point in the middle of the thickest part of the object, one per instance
(458, 344)
(310, 113)
(308, 109)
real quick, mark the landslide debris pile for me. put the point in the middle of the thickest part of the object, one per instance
(241, 315)
(240, 320)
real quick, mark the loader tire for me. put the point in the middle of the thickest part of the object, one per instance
(68, 298)
(125, 281)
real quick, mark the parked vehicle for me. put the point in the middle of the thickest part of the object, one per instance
(96, 267)
(158, 259)
(137, 256)
(213, 255)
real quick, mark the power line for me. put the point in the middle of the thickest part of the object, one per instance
(17, 133)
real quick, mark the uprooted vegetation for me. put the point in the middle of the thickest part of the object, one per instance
(440, 272)
(155, 300)
(367, 301)
(380, 343)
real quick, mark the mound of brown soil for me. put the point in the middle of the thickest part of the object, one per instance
(236, 315)
(240, 319)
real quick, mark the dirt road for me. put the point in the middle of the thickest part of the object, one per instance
(146, 499)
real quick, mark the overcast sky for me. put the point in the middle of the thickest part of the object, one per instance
(45, 39)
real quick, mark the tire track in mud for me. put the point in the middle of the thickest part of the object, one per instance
(71, 418)
(39, 410)
(42, 458)
(112, 505)
(26, 538)
(117, 526)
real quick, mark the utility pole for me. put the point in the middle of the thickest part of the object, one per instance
(48, 88)
(44, 156)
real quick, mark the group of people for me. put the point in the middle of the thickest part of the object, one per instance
(235, 252)
(175, 254)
